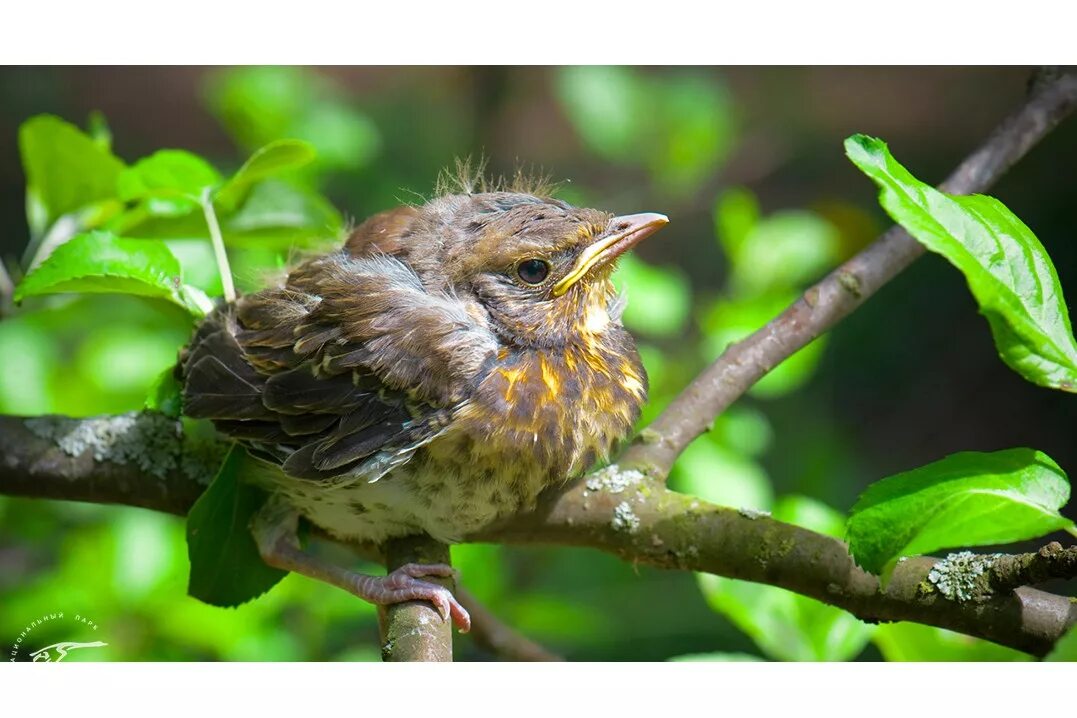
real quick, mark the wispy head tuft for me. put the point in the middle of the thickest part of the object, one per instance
(468, 176)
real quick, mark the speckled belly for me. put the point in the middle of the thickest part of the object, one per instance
(443, 497)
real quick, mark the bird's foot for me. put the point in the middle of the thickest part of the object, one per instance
(274, 530)
(406, 584)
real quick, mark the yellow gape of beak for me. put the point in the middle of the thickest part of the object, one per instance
(627, 232)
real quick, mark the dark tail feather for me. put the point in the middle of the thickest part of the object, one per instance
(214, 390)
(332, 455)
(297, 391)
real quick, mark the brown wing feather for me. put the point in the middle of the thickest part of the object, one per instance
(342, 372)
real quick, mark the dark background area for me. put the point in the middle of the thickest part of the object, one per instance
(907, 379)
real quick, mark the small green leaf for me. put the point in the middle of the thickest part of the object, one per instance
(65, 168)
(169, 183)
(226, 568)
(278, 215)
(165, 395)
(101, 262)
(967, 499)
(1066, 648)
(1007, 269)
(273, 159)
(785, 625)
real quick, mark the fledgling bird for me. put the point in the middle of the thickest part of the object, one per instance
(435, 374)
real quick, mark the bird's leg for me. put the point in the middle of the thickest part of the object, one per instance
(275, 530)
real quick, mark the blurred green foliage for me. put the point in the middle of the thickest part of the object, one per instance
(915, 642)
(259, 105)
(1066, 648)
(87, 354)
(679, 128)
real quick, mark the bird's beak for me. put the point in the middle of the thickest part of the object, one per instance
(627, 232)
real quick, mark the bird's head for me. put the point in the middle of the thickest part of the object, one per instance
(539, 267)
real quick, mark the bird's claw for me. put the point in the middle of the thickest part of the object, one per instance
(406, 584)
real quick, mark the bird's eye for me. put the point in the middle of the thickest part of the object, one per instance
(533, 271)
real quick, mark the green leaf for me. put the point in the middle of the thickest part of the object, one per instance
(275, 215)
(904, 641)
(279, 215)
(1007, 269)
(787, 626)
(65, 168)
(169, 183)
(1066, 648)
(165, 395)
(273, 159)
(226, 568)
(967, 499)
(101, 262)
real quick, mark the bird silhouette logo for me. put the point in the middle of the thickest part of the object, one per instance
(58, 651)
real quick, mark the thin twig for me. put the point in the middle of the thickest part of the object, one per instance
(219, 251)
(841, 292)
(61, 230)
(7, 290)
(1052, 561)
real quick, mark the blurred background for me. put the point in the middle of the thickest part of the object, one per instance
(749, 166)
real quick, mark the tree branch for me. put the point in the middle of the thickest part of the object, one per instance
(618, 511)
(139, 459)
(413, 631)
(647, 523)
(840, 292)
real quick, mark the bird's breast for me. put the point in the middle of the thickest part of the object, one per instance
(554, 411)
